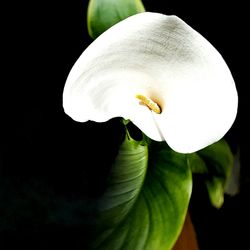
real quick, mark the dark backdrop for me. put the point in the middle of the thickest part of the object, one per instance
(48, 162)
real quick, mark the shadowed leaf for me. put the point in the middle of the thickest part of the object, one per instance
(216, 162)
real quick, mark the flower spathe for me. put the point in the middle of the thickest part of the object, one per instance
(163, 59)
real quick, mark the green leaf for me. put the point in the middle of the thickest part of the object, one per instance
(218, 158)
(216, 162)
(196, 164)
(215, 189)
(146, 200)
(125, 182)
(102, 14)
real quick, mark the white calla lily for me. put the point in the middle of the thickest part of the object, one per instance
(151, 59)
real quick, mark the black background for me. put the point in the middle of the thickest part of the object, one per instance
(48, 162)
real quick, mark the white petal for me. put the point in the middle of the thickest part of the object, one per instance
(162, 58)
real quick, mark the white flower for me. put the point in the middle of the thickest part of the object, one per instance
(151, 59)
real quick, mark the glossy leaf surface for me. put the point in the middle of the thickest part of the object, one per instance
(146, 200)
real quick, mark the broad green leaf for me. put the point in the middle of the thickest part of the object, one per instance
(125, 182)
(216, 162)
(102, 14)
(146, 200)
